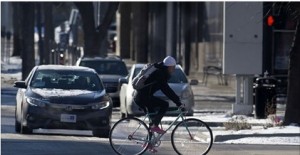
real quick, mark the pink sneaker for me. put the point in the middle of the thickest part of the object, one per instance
(157, 130)
(150, 148)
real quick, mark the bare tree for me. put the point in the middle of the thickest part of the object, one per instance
(28, 61)
(140, 26)
(94, 35)
(49, 30)
(17, 18)
(292, 114)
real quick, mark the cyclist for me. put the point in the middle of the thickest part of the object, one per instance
(158, 80)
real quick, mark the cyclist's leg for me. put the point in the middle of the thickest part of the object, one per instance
(153, 103)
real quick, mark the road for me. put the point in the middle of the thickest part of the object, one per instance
(64, 142)
(45, 144)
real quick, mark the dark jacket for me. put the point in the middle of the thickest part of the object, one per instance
(159, 78)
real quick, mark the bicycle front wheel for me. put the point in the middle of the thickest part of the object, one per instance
(129, 136)
(192, 137)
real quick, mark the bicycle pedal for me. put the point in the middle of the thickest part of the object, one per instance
(152, 150)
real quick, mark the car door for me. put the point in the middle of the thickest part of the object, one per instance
(123, 92)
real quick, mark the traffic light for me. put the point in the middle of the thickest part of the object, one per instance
(270, 20)
(277, 21)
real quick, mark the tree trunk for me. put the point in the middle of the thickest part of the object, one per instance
(157, 31)
(187, 37)
(86, 10)
(17, 18)
(292, 114)
(39, 27)
(140, 30)
(93, 36)
(124, 29)
(49, 30)
(28, 61)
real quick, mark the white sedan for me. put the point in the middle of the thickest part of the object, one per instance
(178, 82)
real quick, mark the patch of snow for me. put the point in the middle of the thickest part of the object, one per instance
(266, 140)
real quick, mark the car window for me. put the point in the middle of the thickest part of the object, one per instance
(136, 71)
(30, 74)
(62, 79)
(107, 67)
(177, 76)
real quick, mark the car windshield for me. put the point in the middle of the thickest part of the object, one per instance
(107, 67)
(66, 79)
(177, 76)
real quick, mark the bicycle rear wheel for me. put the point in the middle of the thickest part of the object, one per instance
(129, 136)
(192, 137)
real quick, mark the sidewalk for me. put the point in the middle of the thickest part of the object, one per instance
(213, 97)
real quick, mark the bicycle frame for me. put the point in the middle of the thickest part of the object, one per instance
(155, 139)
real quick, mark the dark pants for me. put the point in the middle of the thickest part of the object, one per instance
(152, 103)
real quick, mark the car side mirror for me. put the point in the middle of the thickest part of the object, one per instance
(122, 80)
(20, 84)
(194, 82)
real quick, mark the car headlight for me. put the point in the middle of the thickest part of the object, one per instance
(186, 93)
(100, 105)
(35, 102)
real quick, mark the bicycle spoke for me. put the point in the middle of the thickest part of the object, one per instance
(129, 136)
(191, 136)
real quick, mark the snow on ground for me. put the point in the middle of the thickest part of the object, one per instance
(10, 71)
(258, 134)
(283, 135)
(14, 63)
(263, 131)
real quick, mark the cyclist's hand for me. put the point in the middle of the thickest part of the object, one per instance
(182, 107)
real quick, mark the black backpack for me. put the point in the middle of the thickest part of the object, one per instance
(138, 81)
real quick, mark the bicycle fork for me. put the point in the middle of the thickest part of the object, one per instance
(187, 129)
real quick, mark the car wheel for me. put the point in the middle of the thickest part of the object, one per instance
(25, 130)
(17, 123)
(102, 133)
(129, 115)
(126, 114)
(17, 126)
(123, 115)
(190, 113)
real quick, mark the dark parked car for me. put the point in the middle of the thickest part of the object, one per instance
(63, 97)
(110, 69)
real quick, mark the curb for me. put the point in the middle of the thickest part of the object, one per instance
(222, 138)
(214, 124)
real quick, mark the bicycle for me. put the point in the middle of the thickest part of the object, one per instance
(132, 136)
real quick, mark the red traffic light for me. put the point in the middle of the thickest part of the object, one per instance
(270, 20)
